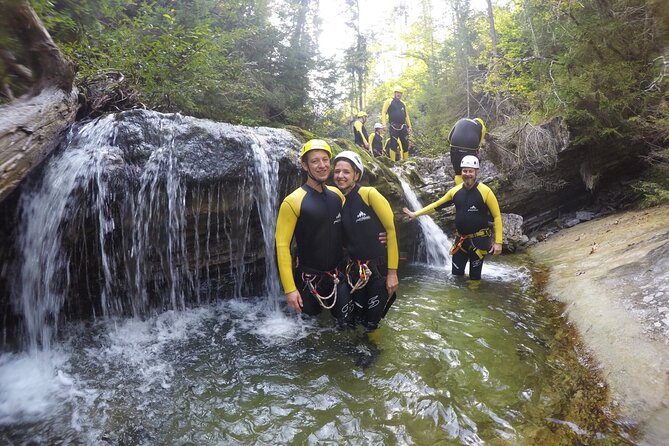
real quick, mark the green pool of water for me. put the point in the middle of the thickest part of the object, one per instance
(451, 364)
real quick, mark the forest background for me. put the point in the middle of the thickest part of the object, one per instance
(602, 65)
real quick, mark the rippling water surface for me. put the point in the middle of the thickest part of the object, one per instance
(451, 364)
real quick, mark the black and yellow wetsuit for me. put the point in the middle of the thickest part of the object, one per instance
(465, 138)
(313, 219)
(395, 112)
(360, 135)
(366, 213)
(376, 146)
(473, 209)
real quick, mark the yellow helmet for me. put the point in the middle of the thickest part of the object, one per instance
(398, 89)
(315, 144)
(480, 121)
(362, 114)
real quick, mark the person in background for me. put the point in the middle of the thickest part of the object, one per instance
(474, 203)
(394, 112)
(465, 139)
(312, 216)
(376, 143)
(360, 136)
(372, 265)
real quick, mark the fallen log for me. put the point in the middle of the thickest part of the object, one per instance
(33, 125)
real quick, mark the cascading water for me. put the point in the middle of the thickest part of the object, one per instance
(267, 200)
(436, 243)
(166, 228)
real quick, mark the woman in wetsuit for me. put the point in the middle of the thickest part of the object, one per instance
(372, 266)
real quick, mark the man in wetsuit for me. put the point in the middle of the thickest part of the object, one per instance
(465, 138)
(395, 113)
(360, 136)
(474, 203)
(312, 216)
(372, 266)
(376, 143)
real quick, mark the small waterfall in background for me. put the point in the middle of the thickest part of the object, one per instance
(139, 217)
(267, 201)
(436, 243)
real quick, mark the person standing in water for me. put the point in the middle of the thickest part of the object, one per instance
(372, 266)
(312, 216)
(474, 203)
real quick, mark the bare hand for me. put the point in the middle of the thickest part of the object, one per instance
(392, 282)
(294, 301)
(496, 249)
(411, 215)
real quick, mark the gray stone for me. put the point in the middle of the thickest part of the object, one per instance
(585, 215)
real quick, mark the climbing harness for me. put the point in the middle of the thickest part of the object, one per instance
(312, 281)
(364, 274)
(457, 245)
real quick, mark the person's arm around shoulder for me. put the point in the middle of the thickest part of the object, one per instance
(491, 201)
(384, 212)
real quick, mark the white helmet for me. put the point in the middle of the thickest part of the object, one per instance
(470, 161)
(354, 158)
(378, 125)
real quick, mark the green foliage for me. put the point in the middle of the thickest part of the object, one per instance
(654, 188)
(218, 59)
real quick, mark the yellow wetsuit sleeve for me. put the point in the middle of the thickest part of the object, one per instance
(369, 143)
(430, 208)
(406, 110)
(490, 200)
(384, 112)
(285, 227)
(382, 209)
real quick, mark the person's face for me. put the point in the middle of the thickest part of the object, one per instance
(398, 95)
(344, 175)
(469, 176)
(317, 164)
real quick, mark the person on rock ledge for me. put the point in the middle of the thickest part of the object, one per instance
(474, 204)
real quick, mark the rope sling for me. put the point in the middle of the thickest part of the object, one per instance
(364, 274)
(312, 280)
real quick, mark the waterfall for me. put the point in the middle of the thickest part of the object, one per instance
(436, 243)
(144, 212)
(267, 202)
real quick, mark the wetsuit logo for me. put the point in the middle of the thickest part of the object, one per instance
(362, 217)
(337, 219)
(472, 209)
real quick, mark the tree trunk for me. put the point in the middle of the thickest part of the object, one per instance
(32, 126)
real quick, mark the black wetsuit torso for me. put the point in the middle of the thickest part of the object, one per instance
(361, 228)
(471, 211)
(318, 232)
(396, 112)
(377, 144)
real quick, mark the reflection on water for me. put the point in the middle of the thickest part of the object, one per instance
(450, 365)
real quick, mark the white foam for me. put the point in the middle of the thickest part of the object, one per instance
(32, 385)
